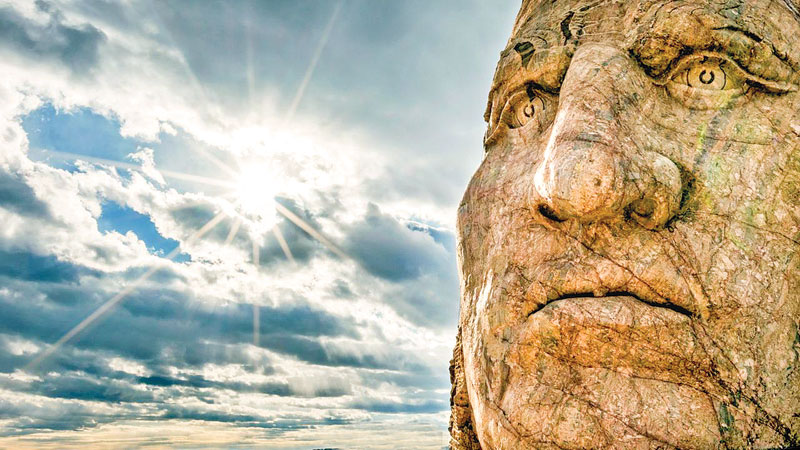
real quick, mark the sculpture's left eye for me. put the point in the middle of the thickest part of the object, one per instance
(707, 82)
(708, 73)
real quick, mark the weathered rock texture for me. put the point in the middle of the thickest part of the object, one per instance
(629, 246)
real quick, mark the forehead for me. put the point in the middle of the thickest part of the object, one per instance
(694, 23)
(775, 20)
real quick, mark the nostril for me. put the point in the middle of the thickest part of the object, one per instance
(548, 213)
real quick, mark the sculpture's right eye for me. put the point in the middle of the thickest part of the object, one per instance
(522, 108)
(526, 109)
(709, 74)
(707, 81)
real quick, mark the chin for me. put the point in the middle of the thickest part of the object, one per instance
(596, 372)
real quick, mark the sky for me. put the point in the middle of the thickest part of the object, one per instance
(232, 224)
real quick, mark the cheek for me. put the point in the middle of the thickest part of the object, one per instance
(790, 187)
(497, 200)
(476, 346)
(686, 136)
(491, 217)
(733, 160)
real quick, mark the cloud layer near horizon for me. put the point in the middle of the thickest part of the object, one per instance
(101, 102)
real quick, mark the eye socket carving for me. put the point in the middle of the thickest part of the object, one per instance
(526, 108)
(523, 107)
(708, 82)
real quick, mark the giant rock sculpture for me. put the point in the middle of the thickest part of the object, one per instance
(628, 248)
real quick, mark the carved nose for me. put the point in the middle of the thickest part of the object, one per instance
(592, 170)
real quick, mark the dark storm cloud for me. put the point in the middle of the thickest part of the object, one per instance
(284, 424)
(198, 382)
(17, 196)
(301, 244)
(432, 406)
(68, 295)
(314, 352)
(32, 417)
(104, 384)
(143, 399)
(25, 265)
(417, 259)
(281, 389)
(74, 46)
(81, 387)
(391, 251)
(164, 328)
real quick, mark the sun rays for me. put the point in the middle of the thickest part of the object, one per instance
(113, 301)
(256, 203)
(253, 187)
(298, 97)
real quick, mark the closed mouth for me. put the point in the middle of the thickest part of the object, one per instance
(665, 304)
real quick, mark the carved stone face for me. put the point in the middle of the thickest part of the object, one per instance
(629, 245)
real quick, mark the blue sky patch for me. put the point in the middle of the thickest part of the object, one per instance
(123, 219)
(80, 131)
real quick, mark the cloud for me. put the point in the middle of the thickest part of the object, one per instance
(402, 407)
(168, 328)
(80, 387)
(48, 414)
(302, 246)
(347, 349)
(74, 46)
(249, 420)
(46, 269)
(418, 261)
(391, 251)
(17, 196)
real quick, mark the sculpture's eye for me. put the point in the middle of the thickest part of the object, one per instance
(527, 109)
(708, 82)
(708, 73)
(524, 107)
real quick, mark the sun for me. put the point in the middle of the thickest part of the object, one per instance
(255, 192)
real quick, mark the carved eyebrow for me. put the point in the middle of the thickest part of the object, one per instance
(742, 30)
(527, 61)
(659, 50)
(525, 50)
(538, 57)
